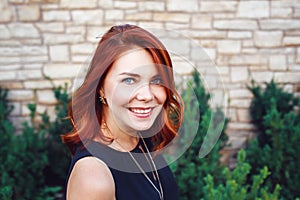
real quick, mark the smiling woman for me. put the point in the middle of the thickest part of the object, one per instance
(125, 112)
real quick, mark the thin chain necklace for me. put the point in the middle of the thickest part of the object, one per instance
(152, 164)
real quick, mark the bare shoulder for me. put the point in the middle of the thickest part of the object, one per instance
(90, 179)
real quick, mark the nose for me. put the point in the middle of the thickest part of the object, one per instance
(144, 93)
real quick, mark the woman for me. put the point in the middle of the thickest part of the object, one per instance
(123, 115)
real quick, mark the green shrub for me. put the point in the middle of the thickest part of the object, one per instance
(23, 159)
(277, 146)
(33, 163)
(236, 186)
(189, 170)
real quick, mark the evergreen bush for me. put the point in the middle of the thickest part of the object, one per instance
(34, 163)
(189, 170)
(276, 114)
(236, 186)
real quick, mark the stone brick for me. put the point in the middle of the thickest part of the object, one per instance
(229, 46)
(151, 25)
(20, 95)
(56, 15)
(209, 34)
(182, 67)
(240, 103)
(235, 24)
(223, 70)
(34, 59)
(179, 46)
(239, 34)
(175, 26)
(291, 41)
(93, 17)
(231, 114)
(243, 115)
(240, 93)
(218, 6)
(29, 74)
(84, 48)
(80, 58)
(5, 34)
(51, 27)
(10, 51)
(281, 12)
(253, 9)
(16, 1)
(261, 77)
(151, 6)
(239, 74)
(248, 60)
(78, 3)
(187, 6)
(52, 38)
(33, 50)
(125, 4)
(11, 67)
(8, 75)
(295, 68)
(201, 21)
(59, 53)
(6, 14)
(297, 12)
(280, 24)
(46, 97)
(29, 13)
(21, 30)
(17, 108)
(114, 15)
(138, 16)
(95, 33)
(107, 4)
(171, 17)
(37, 84)
(11, 84)
(57, 71)
(287, 77)
(278, 62)
(76, 29)
(4, 60)
(268, 38)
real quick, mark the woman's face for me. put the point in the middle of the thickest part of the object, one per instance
(134, 92)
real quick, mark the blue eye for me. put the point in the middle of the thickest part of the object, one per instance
(128, 81)
(157, 81)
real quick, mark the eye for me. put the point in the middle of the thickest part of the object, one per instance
(129, 81)
(157, 81)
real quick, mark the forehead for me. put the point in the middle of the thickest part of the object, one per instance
(134, 61)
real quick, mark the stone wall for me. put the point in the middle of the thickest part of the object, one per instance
(247, 39)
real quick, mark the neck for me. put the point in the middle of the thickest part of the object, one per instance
(122, 141)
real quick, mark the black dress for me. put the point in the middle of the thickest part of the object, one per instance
(130, 183)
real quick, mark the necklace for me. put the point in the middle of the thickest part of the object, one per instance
(152, 165)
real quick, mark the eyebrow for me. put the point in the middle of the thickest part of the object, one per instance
(129, 74)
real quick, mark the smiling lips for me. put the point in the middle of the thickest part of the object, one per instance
(141, 112)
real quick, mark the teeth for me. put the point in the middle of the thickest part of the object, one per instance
(141, 111)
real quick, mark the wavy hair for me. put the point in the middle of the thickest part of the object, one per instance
(85, 110)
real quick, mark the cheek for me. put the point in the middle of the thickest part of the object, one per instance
(161, 94)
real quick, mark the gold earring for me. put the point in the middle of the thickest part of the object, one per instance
(102, 100)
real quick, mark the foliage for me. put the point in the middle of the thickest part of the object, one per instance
(236, 186)
(190, 169)
(31, 160)
(274, 111)
(57, 153)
